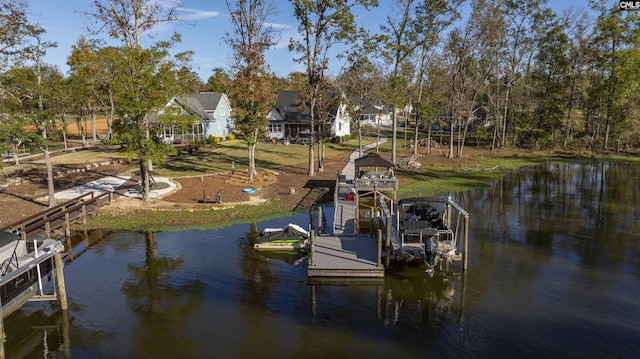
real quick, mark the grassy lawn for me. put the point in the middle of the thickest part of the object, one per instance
(222, 156)
(437, 175)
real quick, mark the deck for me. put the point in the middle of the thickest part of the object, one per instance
(345, 257)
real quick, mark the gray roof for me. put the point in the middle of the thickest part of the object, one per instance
(373, 160)
(293, 110)
(202, 103)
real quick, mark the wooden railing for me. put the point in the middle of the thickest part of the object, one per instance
(45, 223)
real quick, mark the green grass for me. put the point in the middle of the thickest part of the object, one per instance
(437, 176)
(183, 219)
(221, 157)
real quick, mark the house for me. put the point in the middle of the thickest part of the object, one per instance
(371, 113)
(212, 112)
(290, 118)
(481, 117)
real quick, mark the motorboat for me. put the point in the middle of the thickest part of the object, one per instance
(25, 267)
(291, 237)
(423, 233)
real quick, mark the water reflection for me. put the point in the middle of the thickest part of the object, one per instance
(586, 209)
(553, 271)
(156, 301)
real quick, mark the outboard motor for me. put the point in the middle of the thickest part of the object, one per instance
(431, 254)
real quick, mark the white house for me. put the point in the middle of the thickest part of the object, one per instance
(289, 119)
(372, 113)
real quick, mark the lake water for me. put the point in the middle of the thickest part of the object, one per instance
(554, 271)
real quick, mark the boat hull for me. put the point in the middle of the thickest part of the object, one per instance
(24, 274)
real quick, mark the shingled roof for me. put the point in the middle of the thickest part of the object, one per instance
(373, 160)
(293, 110)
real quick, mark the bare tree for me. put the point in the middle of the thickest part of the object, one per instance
(411, 26)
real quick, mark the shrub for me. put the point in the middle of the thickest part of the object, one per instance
(212, 140)
(231, 137)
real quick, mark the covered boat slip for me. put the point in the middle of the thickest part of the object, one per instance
(368, 221)
(24, 271)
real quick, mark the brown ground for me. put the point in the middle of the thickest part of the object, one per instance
(20, 200)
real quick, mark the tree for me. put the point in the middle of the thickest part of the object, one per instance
(578, 23)
(84, 70)
(615, 48)
(471, 67)
(519, 47)
(322, 24)
(415, 24)
(549, 78)
(22, 42)
(220, 81)
(363, 82)
(146, 77)
(251, 91)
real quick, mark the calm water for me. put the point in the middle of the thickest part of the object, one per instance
(554, 271)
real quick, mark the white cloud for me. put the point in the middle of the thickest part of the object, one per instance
(195, 14)
(277, 26)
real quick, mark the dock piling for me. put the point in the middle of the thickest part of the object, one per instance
(62, 290)
(379, 236)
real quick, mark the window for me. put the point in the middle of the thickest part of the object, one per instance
(274, 127)
(223, 111)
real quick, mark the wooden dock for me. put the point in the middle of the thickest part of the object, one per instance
(345, 257)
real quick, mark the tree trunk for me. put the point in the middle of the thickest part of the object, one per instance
(50, 187)
(360, 139)
(312, 134)
(394, 119)
(251, 149)
(112, 111)
(93, 126)
(504, 117)
(144, 174)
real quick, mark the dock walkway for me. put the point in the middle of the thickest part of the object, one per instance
(345, 254)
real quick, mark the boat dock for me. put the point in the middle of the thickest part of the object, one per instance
(346, 254)
(364, 237)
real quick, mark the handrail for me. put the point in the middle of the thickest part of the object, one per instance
(70, 209)
(41, 219)
(46, 212)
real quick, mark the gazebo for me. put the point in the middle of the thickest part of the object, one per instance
(374, 181)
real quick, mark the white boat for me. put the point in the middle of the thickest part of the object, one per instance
(24, 269)
(291, 237)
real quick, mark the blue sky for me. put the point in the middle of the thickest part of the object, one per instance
(202, 32)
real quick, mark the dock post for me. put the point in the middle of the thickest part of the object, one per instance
(448, 211)
(379, 236)
(67, 225)
(62, 290)
(371, 214)
(2, 336)
(388, 232)
(311, 248)
(466, 243)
